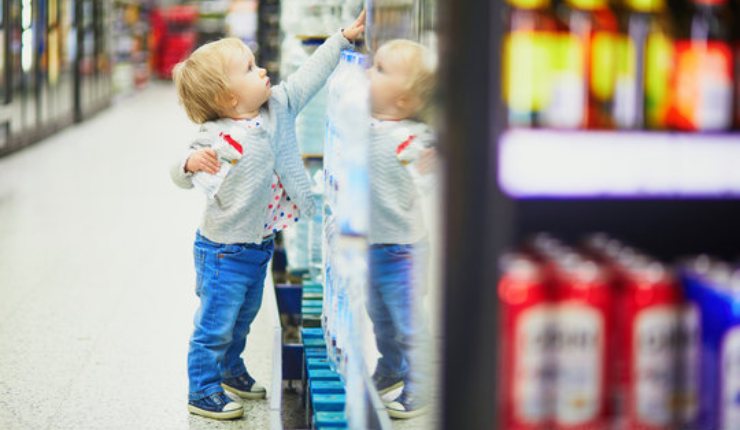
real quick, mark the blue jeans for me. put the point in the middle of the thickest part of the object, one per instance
(229, 283)
(399, 328)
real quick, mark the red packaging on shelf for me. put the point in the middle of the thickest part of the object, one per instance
(527, 331)
(582, 345)
(653, 343)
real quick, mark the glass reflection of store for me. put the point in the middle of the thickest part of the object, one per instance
(58, 91)
(24, 112)
(93, 64)
(415, 20)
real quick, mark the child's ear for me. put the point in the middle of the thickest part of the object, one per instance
(227, 101)
(402, 102)
(233, 100)
(407, 103)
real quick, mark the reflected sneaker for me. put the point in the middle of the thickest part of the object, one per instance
(217, 406)
(245, 387)
(405, 406)
(385, 384)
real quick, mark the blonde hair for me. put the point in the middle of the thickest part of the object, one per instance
(422, 63)
(202, 81)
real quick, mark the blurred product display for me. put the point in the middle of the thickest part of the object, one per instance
(268, 37)
(636, 64)
(211, 23)
(605, 336)
(177, 38)
(132, 22)
(56, 61)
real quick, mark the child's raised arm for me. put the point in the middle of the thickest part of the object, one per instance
(300, 86)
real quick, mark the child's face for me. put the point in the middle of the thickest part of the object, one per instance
(249, 84)
(389, 90)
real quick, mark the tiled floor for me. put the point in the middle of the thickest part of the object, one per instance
(96, 279)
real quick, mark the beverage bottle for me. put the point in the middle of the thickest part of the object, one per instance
(736, 44)
(583, 69)
(527, 52)
(703, 79)
(644, 62)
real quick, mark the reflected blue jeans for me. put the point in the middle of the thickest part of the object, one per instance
(398, 326)
(229, 282)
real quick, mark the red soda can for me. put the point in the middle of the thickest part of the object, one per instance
(654, 343)
(607, 251)
(581, 346)
(526, 365)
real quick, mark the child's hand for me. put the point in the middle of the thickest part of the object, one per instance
(354, 31)
(203, 160)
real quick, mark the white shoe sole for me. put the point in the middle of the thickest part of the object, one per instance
(245, 394)
(404, 415)
(230, 415)
(387, 390)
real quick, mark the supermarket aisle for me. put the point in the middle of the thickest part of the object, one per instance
(96, 282)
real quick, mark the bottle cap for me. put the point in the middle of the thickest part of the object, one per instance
(529, 4)
(588, 4)
(646, 5)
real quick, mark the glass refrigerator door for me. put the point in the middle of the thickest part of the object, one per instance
(41, 62)
(86, 56)
(23, 63)
(61, 71)
(4, 99)
(102, 57)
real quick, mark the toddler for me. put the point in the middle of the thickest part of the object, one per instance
(252, 126)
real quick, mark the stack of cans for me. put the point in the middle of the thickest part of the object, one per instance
(605, 337)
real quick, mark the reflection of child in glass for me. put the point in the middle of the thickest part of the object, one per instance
(222, 89)
(401, 82)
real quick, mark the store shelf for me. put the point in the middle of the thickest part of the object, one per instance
(580, 164)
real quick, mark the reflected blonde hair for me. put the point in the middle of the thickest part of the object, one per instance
(422, 63)
(202, 80)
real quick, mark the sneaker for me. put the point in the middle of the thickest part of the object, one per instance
(217, 406)
(385, 385)
(405, 406)
(245, 387)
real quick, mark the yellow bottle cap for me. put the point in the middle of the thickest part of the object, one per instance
(588, 4)
(529, 4)
(646, 5)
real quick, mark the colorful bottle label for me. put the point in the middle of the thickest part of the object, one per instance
(731, 380)
(658, 67)
(534, 365)
(526, 73)
(625, 83)
(567, 100)
(703, 86)
(579, 351)
(603, 65)
(657, 342)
